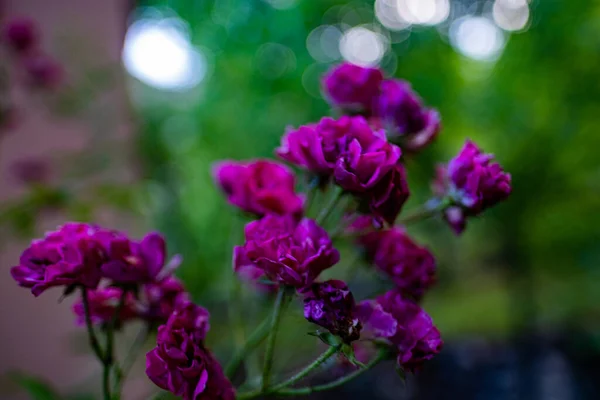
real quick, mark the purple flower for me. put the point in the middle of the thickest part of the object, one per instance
(288, 252)
(260, 187)
(473, 182)
(330, 304)
(386, 199)
(65, 257)
(131, 261)
(180, 362)
(365, 157)
(103, 305)
(30, 171)
(404, 325)
(352, 87)
(20, 34)
(163, 298)
(42, 71)
(410, 266)
(400, 110)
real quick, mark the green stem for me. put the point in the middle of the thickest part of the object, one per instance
(329, 207)
(109, 356)
(90, 327)
(255, 339)
(339, 382)
(273, 328)
(131, 356)
(312, 366)
(429, 209)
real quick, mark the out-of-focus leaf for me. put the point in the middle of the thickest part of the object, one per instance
(36, 387)
(326, 337)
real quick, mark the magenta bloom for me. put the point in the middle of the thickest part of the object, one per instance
(131, 261)
(20, 34)
(473, 182)
(365, 158)
(163, 298)
(330, 304)
(260, 187)
(404, 325)
(386, 199)
(317, 147)
(400, 110)
(410, 266)
(103, 305)
(289, 252)
(65, 257)
(42, 71)
(352, 87)
(180, 362)
(30, 171)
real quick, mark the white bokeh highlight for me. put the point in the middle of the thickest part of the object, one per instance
(158, 52)
(362, 46)
(477, 38)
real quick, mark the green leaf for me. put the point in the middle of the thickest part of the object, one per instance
(36, 387)
(326, 337)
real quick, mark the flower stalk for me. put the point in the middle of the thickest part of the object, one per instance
(274, 327)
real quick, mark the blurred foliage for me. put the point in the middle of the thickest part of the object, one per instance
(532, 260)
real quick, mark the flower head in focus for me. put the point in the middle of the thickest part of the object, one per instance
(401, 112)
(404, 325)
(410, 266)
(365, 157)
(386, 199)
(259, 187)
(68, 256)
(331, 305)
(352, 87)
(103, 303)
(289, 252)
(473, 182)
(181, 364)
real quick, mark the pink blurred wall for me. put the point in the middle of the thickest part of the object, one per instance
(38, 335)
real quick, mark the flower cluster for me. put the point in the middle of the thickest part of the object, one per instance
(181, 363)
(388, 103)
(110, 266)
(22, 39)
(355, 168)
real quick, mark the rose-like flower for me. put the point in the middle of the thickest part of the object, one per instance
(260, 187)
(163, 298)
(181, 364)
(103, 304)
(386, 199)
(410, 266)
(365, 157)
(331, 305)
(20, 34)
(130, 261)
(66, 257)
(473, 183)
(352, 87)
(401, 111)
(289, 252)
(319, 147)
(404, 325)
